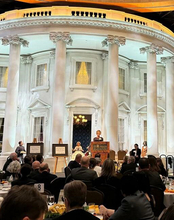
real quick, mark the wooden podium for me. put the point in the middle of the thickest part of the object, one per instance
(101, 147)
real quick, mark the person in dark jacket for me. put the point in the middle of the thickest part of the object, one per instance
(12, 157)
(130, 166)
(75, 163)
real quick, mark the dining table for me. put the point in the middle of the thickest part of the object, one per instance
(168, 198)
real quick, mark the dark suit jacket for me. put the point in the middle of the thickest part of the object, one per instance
(112, 181)
(8, 161)
(83, 174)
(134, 207)
(34, 174)
(133, 153)
(46, 178)
(23, 181)
(77, 214)
(126, 167)
(73, 164)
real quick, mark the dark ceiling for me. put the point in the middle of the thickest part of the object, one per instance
(166, 18)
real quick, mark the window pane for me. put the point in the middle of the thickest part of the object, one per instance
(121, 78)
(121, 133)
(41, 76)
(145, 82)
(3, 77)
(83, 73)
(39, 128)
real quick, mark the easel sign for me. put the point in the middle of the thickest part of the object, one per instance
(35, 148)
(60, 150)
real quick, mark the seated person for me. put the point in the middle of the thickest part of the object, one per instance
(92, 163)
(98, 168)
(78, 147)
(24, 179)
(23, 203)
(75, 194)
(14, 169)
(35, 171)
(39, 158)
(45, 176)
(108, 175)
(162, 171)
(167, 214)
(75, 163)
(28, 160)
(12, 157)
(83, 173)
(98, 138)
(135, 205)
(130, 166)
(136, 153)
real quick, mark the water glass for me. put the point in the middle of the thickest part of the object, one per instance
(91, 208)
(50, 200)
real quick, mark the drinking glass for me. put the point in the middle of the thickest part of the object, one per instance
(50, 200)
(91, 207)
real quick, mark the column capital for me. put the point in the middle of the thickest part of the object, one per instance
(133, 65)
(167, 59)
(111, 39)
(152, 49)
(61, 36)
(26, 59)
(104, 55)
(15, 40)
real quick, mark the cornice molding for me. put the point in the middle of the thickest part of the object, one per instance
(26, 59)
(74, 21)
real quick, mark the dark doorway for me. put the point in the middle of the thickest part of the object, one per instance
(82, 130)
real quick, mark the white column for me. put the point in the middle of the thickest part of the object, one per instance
(12, 92)
(169, 61)
(152, 117)
(113, 89)
(60, 39)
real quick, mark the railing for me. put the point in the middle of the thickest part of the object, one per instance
(65, 11)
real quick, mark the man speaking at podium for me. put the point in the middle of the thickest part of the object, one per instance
(98, 138)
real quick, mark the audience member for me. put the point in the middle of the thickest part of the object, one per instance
(130, 166)
(153, 164)
(75, 194)
(75, 163)
(162, 171)
(14, 169)
(108, 175)
(35, 171)
(83, 173)
(154, 177)
(134, 206)
(23, 203)
(24, 179)
(98, 166)
(12, 157)
(45, 176)
(39, 158)
(168, 214)
(28, 160)
(125, 159)
(92, 163)
(136, 153)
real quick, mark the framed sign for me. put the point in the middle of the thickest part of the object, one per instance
(60, 150)
(35, 148)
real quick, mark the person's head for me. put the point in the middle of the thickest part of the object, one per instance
(153, 164)
(78, 143)
(136, 146)
(108, 168)
(39, 158)
(168, 213)
(23, 203)
(144, 164)
(26, 170)
(129, 185)
(92, 163)
(20, 143)
(145, 143)
(98, 133)
(125, 159)
(97, 155)
(44, 167)
(28, 159)
(159, 162)
(36, 165)
(98, 161)
(13, 156)
(75, 194)
(131, 159)
(78, 158)
(85, 161)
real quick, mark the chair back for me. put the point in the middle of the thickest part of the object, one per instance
(112, 154)
(112, 196)
(94, 197)
(56, 185)
(158, 195)
(121, 154)
(67, 171)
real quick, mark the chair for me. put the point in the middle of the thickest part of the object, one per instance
(67, 171)
(56, 185)
(121, 154)
(112, 196)
(94, 197)
(112, 154)
(158, 195)
(46, 192)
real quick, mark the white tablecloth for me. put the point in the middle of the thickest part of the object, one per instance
(3, 192)
(168, 199)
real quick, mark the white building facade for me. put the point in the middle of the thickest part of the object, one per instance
(61, 61)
